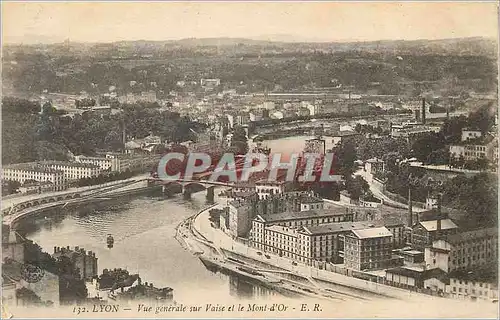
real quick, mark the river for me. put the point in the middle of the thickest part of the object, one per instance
(144, 230)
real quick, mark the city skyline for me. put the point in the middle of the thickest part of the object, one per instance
(42, 22)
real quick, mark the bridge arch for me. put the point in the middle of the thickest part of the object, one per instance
(60, 198)
(195, 185)
(52, 200)
(172, 183)
(22, 206)
(44, 201)
(28, 204)
(36, 203)
(69, 197)
(76, 195)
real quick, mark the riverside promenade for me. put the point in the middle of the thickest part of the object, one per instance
(323, 279)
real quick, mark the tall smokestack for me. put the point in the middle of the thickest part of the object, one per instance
(423, 110)
(410, 209)
(439, 216)
(124, 136)
(439, 205)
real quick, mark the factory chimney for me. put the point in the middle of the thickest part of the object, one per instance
(439, 215)
(124, 136)
(410, 209)
(423, 110)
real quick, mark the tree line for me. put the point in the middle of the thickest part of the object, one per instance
(53, 135)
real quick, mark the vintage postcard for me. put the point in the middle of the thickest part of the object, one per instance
(249, 159)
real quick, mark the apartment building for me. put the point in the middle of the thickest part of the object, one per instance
(73, 170)
(284, 241)
(368, 249)
(470, 134)
(294, 220)
(464, 251)
(22, 172)
(85, 262)
(107, 163)
(325, 242)
(240, 218)
(471, 288)
(267, 188)
(475, 148)
(309, 244)
(425, 232)
(246, 206)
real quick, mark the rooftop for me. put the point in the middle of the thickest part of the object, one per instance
(420, 273)
(337, 227)
(485, 274)
(483, 140)
(472, 235)
(309, 199)
(431, 225)
(372, 233)
(343, 134)
(68, 164)
(284, 230)
(239, 203)
(375, 160)
(285, 216)
(31, 167)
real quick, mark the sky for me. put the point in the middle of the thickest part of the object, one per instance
(30, 22)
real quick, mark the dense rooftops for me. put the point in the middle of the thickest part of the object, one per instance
(302, 215)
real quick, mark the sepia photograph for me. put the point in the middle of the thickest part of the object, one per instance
(249, 159)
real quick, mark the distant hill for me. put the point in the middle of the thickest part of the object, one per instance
(460, 46)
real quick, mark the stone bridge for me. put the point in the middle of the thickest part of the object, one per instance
(57, 197)
(44, 200)
(187, 187)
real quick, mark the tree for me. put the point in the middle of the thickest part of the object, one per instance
(477, 196)
(10, 187)
(113, 141)
(356, 187)
(345, 155)
(424, 146)
(483, 118)
(240, 140)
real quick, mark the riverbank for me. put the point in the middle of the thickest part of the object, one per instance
(231, 256)
(310, 279)
(216, 260)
